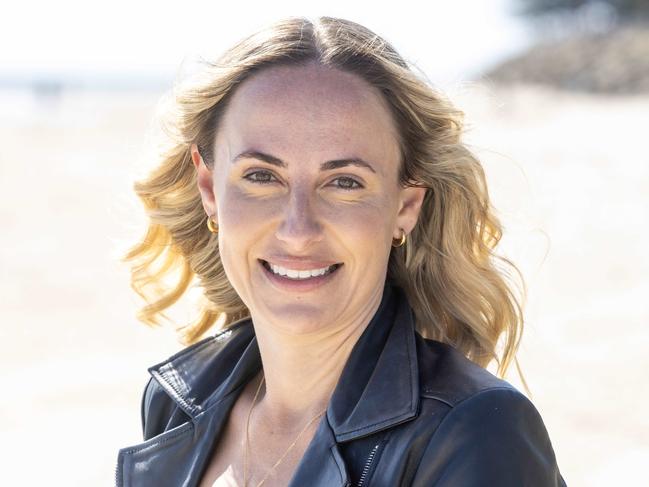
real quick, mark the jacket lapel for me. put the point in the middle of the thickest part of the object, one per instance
(322, 463)
(379, 386)
(175, 457)
(205, 373)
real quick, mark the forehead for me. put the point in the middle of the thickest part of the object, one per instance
(310, 111)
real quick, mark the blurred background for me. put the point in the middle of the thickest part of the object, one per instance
(556, 95)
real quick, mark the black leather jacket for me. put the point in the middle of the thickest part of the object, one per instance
(406, 412)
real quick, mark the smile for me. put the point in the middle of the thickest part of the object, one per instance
(296, 274)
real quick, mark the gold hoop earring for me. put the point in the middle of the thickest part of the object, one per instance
(214, 228)
(402, 241)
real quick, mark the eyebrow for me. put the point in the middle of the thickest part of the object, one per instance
(325, 166)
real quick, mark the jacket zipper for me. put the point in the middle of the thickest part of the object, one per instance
(367, 466)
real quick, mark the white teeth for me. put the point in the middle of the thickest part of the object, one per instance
(295, 274)
(278, 270)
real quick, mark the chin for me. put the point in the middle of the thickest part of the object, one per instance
(296, 318)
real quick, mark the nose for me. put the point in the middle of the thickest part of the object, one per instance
(299, 227)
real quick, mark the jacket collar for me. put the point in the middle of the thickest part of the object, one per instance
(378, 388)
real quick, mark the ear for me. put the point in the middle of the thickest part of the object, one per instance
(205, 181)
(411, 199)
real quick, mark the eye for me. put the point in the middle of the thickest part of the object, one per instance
(348, 183)
(260, 177)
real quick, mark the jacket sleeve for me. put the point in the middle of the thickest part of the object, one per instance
(495, 437)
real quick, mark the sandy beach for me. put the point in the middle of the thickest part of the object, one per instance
(568, 174)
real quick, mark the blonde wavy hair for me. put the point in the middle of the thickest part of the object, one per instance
(461, 292)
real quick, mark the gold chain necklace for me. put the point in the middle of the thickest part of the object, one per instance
(245, 455)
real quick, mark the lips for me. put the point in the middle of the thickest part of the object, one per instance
(292, 282)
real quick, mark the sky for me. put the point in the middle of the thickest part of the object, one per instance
(449, 40)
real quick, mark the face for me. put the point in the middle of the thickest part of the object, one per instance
(305, 191)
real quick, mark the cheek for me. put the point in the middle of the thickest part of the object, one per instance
(241, 214)
(238, 237)
(364, 227)
(240, 222)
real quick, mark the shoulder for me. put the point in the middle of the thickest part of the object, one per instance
(489, 432)
(448, 376)
(494, 437)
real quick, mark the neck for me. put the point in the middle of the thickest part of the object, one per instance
(301, 370)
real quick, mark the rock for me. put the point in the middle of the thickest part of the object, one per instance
(613, 62)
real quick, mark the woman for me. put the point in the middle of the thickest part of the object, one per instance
(343, 234)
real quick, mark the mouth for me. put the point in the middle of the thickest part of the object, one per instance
(299, 275)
